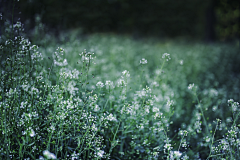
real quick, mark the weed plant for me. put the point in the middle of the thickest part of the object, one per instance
(119, 99)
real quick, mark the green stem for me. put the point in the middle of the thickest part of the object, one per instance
(205, 122)
(212, 141)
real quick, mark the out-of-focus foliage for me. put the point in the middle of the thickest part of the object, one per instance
(228, 17)
(162, 18)
(166, 18)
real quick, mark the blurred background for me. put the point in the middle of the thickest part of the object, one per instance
(207, 20)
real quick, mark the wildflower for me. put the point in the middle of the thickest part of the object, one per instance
(185, 157)
(49, 155)
(175, 154)
(109, 84)
(126, 73)
(232, 133)
(32, 133)
(100, 153)
(41, 158)
(96, 107)
(170, 103)
(94, 128)
(143, 61)
(167, 56)
(71, 87)
(58, 63)
(155, 154)
(230, 101)
(17, 25)
(183, 132)
(190, 86)
(155, 109)
(75, 73)
(207, 139)
(99, 84)
(168, 146)
(111, 118)
(121, 83)
(213, 92)
(181, 62)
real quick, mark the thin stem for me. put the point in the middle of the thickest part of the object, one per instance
(205, 122)
(212, 140)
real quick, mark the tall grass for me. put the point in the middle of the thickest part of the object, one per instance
(117, 99)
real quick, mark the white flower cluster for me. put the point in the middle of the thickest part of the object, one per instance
(170, 103)
(109, 85)
(126, 73)
(93, 103)
(48, 155)
(100, 153)
(234, 105)
(143, 61)
(51, 129)
(71, 88)
(167, 146)
(121, 83)
(175, 155)
(100, 84)
(58, 60)
(29, 131)
(17, 25)
(63, 63)
(110, 117)
(166, 56)
(190, 86)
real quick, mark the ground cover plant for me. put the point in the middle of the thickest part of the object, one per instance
(106, 96)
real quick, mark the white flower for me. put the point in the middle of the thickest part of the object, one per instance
(71, 87)
(190, 86)
(181, 62)
(111, 117)
(175, 154)
(185, 157)
(109, 84)
(170, 103)
(100, 153)
(41, 158)
(155, 109)
(167, 56)
(230, 101)
(207, 139)
(32, 133)
(75, 73)
(126, 73)
(143, 61)
(49, 155)
(94, 128)
(17, 25)
(167, 146)
(64, 63)
(99, 84)
(96, 108)
(121, 83)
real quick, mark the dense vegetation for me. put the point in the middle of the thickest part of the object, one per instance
(105, 96)
(109, 96)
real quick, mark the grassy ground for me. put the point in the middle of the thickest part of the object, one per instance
(111, 96)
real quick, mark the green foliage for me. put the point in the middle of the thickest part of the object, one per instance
(119, 98)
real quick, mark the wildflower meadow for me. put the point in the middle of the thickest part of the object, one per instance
(109, 96)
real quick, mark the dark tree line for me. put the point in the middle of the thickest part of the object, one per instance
(203, 19)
